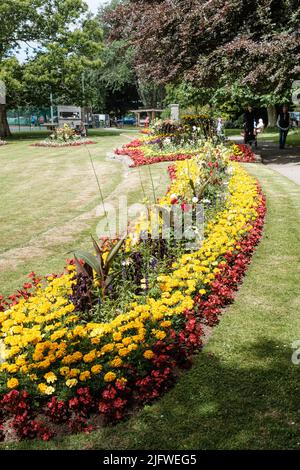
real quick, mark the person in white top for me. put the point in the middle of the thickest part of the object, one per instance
(260, 126)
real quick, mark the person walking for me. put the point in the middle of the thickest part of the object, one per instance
(249, 120)
(283, 123)
(147, 122)
(260, 126)
(219, 126)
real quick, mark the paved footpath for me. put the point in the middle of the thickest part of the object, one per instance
(286, 161)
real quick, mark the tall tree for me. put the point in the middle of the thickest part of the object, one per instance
(119, 77)
(64, 66)
(252, 43)
(23, 21)
(11, 74)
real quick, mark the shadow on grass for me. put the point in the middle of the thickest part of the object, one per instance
(220, 404)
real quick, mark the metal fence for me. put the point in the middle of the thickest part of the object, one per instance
(29, 118)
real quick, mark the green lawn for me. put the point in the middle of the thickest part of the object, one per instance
(243, 390)
(293, 137)
(231, 132)
(48, 200)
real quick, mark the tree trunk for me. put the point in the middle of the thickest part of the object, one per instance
(272, 116)
(4, 127)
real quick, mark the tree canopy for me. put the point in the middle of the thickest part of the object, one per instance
(64, 65)
(67, 43)
(214, 43)
(35, 20)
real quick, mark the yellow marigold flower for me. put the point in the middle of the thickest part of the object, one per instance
(107, 348)
(95, 341)
(148, 354)
(116, 362)
(72, 358)
(123, 352)
(74, 373)
(165, 324)
(58, 334)
(117, 336)
(20, 361)
(79, 331)
(202, 291)
(71, 267)
(50, 377)
(127, 341)
(12, 383)
(71, 383)
(46, 389)
(96, 369)
(64, 371)
(110, 377)
(160, 335)
(85, 376)
(122, 380)
(12, 368)
(90, 357)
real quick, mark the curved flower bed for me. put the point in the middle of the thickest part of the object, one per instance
(140, 152)
(58, 373)
(73, 143)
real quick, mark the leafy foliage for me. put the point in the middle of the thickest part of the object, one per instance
(99, 265)
(214, 43)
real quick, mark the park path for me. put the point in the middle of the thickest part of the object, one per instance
(286, 161)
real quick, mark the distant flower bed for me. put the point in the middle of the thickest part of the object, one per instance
(159, 148)
(65, 137)
(139, 158)
(60, 370)
(53, 143)
(3, 142)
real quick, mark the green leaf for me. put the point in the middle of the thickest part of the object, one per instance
(80, 268)
(203, 187)
(89, 259)
(114, 251)
(99, 257)
(192, 186)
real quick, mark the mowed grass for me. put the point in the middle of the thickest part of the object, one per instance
(48, 200)
(243, 390)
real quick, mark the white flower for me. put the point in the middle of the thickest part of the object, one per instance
(126, 263)
(173, 196)
(195, 200)
(206, 201)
